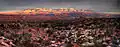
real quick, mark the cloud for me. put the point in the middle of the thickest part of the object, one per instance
(95, 4)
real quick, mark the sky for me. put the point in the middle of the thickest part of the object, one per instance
(98, 5)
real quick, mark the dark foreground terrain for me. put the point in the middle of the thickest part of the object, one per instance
(83, 32)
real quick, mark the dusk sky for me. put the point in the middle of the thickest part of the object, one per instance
(103, 5)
